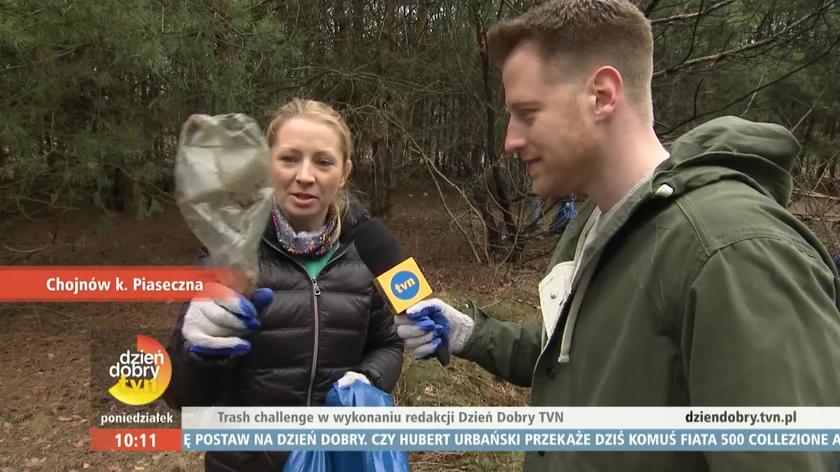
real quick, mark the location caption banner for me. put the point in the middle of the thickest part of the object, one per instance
(112, 283)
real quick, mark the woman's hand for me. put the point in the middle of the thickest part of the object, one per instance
(216, 327)
(350, 377)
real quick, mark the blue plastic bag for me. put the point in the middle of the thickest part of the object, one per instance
(308, 461)
(355, 394)
(358, 394)
(362, 394)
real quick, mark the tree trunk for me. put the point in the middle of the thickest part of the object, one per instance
(380, 195)
(481, 200)
(385, 148)
(497, 186)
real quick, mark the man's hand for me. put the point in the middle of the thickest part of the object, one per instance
(432, 323)
(216, 327)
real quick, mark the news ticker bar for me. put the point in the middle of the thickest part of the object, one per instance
(111, 283)
(128, 440)
(511, 440)
(511, 428)
(496, 418)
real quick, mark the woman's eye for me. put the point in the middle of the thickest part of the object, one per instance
(287, 158)
(325, 162)
(528, 116)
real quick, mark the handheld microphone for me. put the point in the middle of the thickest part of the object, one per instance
(398, 279)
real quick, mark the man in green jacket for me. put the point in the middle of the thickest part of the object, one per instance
(683, 281)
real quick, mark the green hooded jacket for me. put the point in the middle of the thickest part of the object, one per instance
(701, 290)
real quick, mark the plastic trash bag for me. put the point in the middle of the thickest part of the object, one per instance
(355, 394)
(223, 187)
(308, 461)
(362, 394)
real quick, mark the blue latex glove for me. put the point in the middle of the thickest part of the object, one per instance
(217, 327)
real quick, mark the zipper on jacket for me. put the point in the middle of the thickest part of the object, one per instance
(316, 292)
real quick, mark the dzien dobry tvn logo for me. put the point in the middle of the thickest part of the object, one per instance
(143, 375)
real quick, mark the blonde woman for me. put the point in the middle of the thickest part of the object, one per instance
(316, 317)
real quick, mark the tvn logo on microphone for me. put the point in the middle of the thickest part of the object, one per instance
(403, 285)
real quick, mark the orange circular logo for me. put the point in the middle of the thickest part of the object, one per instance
(143, 375)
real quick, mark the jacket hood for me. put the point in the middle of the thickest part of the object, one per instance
(761, 155)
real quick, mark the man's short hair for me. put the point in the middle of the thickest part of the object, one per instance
(589, 32)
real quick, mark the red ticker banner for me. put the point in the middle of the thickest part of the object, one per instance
(135, 439)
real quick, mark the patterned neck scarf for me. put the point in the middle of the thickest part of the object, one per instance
(305, 243)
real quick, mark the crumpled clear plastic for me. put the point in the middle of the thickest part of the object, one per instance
(223, 187)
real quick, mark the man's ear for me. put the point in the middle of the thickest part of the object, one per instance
(607, 88)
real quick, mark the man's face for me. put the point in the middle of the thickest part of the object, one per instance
(549, 129)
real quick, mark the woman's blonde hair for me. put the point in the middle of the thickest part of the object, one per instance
(325, 114)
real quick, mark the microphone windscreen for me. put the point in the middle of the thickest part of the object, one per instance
(377, 247)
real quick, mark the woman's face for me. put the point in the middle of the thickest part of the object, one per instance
(308, 169)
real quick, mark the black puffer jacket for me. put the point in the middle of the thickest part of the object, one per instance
(312, 333)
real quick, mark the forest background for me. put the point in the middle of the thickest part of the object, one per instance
(94, 94)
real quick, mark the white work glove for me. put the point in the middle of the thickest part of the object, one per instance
(350, 377)
(216, 327)
(430, 323)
